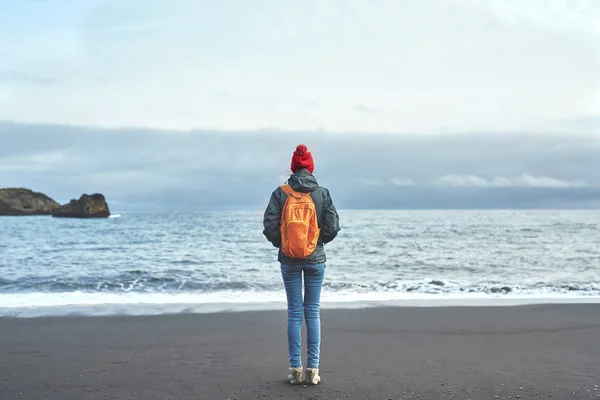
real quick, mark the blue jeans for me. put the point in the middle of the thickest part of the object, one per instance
(309, 308)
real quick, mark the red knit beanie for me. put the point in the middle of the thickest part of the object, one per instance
(302, 159)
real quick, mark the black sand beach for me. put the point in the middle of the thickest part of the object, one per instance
(525, 352)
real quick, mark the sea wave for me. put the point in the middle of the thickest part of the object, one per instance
(189, 281)
(164, 261)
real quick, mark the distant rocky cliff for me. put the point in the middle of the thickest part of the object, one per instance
(19, 201)
(93, 206)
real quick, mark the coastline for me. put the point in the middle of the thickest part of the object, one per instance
(78, 304)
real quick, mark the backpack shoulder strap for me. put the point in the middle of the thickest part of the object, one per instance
(287, 189)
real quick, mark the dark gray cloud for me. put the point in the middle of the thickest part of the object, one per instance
(150, 169)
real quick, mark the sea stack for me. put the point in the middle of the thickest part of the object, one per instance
(20, 202)
(93, 206)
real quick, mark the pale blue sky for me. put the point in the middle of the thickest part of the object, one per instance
(351, 65)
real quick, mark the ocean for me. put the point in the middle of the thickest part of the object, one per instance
(145, 263)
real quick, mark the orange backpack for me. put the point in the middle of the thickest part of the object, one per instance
(299, 226)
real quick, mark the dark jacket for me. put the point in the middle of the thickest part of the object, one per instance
(327, 216)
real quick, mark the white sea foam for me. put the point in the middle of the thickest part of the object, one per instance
(55, 304)
(115, 216)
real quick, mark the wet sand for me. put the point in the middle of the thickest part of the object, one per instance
(524, 352)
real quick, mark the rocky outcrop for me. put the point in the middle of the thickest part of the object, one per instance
(25, 202)
(93, 206)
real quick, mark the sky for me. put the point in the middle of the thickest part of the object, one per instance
(407, 103)
(146, 169)
(340, 65)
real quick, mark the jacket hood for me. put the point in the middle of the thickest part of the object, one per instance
(303, 181)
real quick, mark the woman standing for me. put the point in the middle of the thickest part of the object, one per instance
(299, 220)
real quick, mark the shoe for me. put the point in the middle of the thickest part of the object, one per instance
(295, 376)
(312, 376)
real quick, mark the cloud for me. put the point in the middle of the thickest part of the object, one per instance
(32, 162)
(395, 66)
(239, 169)
(18, 77)
(525, 180)
(402, 182)
(471, 181)
(362, 109)
(548, 182)
(371, 182)
(564, 16)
